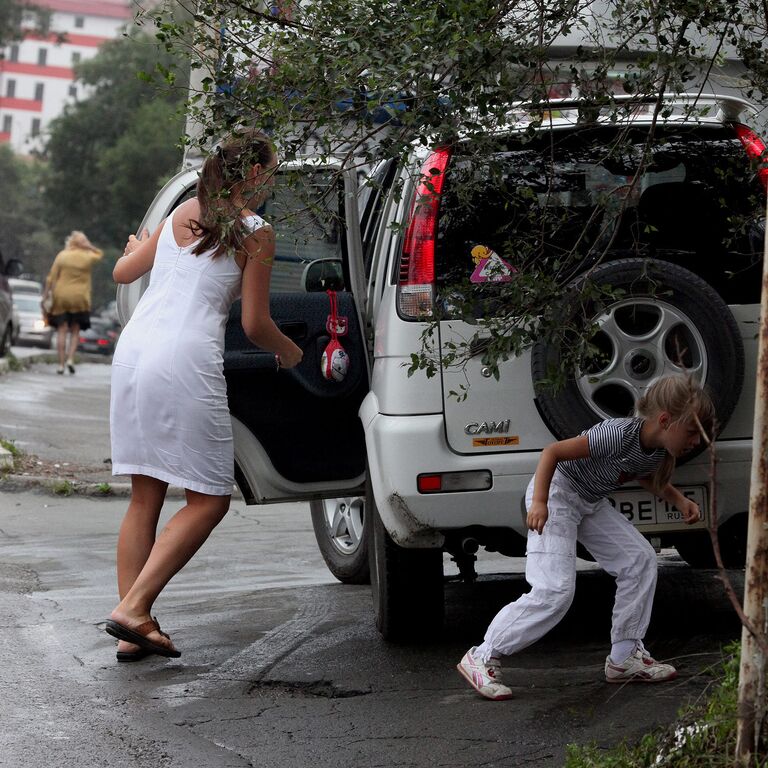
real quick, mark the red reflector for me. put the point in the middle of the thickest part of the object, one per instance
(754, 146)
(417, 266)
(102, 342)
(429, 483)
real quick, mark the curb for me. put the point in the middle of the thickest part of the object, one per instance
(64, 486)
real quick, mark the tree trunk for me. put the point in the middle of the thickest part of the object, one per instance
(752, 673)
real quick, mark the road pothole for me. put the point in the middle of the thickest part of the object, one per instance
(318, 688)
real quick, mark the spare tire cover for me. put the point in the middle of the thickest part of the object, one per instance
(666, 314)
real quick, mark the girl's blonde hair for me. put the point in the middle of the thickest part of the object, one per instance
(220, 228)
(682, 398)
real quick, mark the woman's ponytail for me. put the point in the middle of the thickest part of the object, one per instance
(219, 227)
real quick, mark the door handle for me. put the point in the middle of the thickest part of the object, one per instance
(296, 330)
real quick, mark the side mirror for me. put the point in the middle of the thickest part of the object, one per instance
(13, 268)
(323, 275)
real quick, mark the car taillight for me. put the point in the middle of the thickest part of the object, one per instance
(417, 265)
(755, 149)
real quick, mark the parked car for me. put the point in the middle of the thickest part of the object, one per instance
(8, 269)
(33, 328)
(23, 285)
(396, 469)
(100, 338)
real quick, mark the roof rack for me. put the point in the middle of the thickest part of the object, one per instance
(728, 107)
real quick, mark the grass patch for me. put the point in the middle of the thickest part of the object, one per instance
(105, 489)
(63, 488)
(11, 447)
(14, 364)
(703, 737)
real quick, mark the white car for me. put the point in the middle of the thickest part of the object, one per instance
(397, 467)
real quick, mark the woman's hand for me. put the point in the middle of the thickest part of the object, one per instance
(290, 356)
(537, 516)
(134, 242)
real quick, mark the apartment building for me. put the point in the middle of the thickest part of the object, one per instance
(37, 76)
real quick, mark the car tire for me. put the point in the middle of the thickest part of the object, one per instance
(663, 307)
(406, 585)
(5, 341)
(696, 547)
(341, 529)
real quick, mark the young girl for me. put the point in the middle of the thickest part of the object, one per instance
(169, 417)
(566, 502)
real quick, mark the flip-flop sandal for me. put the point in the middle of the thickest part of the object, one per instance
(142, 653)
(138, 636)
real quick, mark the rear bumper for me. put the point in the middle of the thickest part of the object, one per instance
(402, 447)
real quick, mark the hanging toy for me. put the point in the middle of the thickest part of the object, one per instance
(334, 363)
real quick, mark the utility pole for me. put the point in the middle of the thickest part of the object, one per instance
(752, 672)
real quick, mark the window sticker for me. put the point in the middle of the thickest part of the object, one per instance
(489, 266)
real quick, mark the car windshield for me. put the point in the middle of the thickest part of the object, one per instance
(27, 303)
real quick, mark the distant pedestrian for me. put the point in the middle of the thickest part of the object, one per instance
(169, 416)
(566, 502)
(69, 285)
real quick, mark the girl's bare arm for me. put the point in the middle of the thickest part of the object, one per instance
(138, 258)
(564, 450)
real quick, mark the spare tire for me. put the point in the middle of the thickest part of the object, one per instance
(665, 315)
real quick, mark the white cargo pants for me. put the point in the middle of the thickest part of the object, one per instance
(550, 569)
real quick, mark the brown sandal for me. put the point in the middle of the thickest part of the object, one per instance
(138, 636)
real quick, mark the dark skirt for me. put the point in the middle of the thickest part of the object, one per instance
(82, 319)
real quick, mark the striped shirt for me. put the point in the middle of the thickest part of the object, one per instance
(615, 457)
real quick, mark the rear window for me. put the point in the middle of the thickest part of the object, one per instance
(565, 199)
(27, 303)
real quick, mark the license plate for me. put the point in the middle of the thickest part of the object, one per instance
(645, 510)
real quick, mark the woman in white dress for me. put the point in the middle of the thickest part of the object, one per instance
(169, 417)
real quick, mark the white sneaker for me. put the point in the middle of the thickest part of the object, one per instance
(484, 678)
(638, 667)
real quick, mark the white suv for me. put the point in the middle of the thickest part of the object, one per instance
(397, 467)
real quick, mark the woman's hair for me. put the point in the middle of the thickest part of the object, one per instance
(219, 227)
(682, 398)
(77, 239)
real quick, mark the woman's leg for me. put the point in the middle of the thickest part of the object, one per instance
(61, 344)
(137, 535)
(183, 535)
(74, 338)
(138, 530)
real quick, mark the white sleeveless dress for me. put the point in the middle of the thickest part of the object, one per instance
(169, 417)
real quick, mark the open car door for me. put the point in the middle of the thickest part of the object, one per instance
(297, 434)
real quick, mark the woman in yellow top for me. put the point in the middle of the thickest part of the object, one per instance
(69, 281)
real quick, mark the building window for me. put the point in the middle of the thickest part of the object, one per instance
(75, 57)
(39, 88)
(42, 56)
(7, 123)
(79, 22)
(73, 91)
(13, 54)
(35, 127)
(10, 88)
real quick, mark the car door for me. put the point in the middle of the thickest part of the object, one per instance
(297, 434)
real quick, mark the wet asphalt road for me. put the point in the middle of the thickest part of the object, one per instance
(281, 666)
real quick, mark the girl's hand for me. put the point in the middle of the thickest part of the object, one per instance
(690, 510)
(290, 356)
(537, 516)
